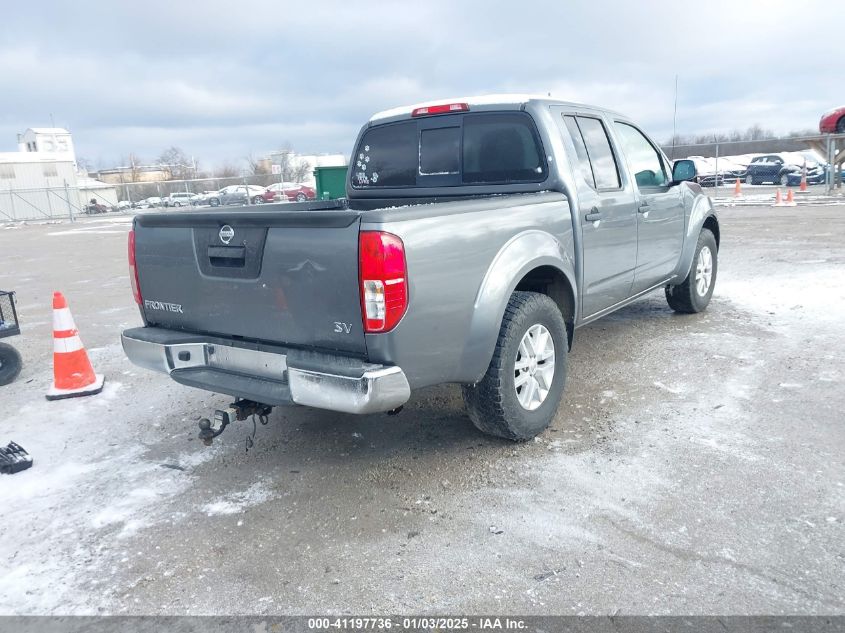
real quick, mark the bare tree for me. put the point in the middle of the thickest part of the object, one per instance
(84, 164)
(226, 170)
(260, 169)
(178, 164)
(293, 169)
(134, 167)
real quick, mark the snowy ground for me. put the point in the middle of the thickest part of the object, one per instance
(696, 465)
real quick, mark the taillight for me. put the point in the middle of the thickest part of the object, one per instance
(383, 278)
(440, 109)
(133, 270)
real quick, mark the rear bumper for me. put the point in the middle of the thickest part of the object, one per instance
(268, 374)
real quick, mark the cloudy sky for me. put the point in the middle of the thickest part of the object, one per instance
(224, 79)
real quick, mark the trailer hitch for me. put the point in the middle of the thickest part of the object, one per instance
(239, 410)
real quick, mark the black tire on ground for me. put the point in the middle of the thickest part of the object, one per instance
(749, 180)
(301, 197)
(840, 125)
(214, 202)
(10, 363)
(258, 200)
(685, 297)
(784, 179)
(492, 403)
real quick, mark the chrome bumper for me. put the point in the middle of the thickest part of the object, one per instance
(250, 373)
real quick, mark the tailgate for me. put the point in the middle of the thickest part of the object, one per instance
(281, 277)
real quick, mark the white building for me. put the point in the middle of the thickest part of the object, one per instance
(51, 140)
(40, 180)
(32, 185)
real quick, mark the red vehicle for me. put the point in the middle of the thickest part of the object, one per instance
(833, 122)
(294, 192)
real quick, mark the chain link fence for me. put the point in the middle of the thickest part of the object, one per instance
(70, 202)
(816, 161)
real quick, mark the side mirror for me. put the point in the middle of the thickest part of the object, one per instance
(683, 171)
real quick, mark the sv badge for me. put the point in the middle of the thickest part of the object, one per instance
(342, 328)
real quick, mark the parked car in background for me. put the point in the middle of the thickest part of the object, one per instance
(833, 122)
(201, 198)
(148, 203)
(178, 199)
(783, 169)
(123, 204)
(95, 206)
(816, 171)
(238, 194)
(292, 191)
(723, 171)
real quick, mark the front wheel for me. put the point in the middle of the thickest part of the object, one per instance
(749, 179)
(258, 200)
(10, 363)
(784, 179)
(214, 202)
(694, 293)
(519, 394)
(301, 197)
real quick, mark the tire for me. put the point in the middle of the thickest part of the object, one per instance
(177, 204)
(258, 200)
(840, 125)
(301, 197)
(784, 180)
(214, 202)
(687, 297)
(10, 363)
(749, 180)
(493, 403)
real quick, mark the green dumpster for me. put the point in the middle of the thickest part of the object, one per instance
(331, 182)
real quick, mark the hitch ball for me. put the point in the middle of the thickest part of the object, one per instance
(206, 434)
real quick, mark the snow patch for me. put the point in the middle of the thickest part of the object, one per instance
(238, 502)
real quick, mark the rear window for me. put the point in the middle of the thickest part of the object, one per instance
(451, 150)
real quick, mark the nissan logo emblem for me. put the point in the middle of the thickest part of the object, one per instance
(226, 233)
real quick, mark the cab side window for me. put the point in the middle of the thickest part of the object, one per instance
(602, 160)
(643, 158)
(580, 150)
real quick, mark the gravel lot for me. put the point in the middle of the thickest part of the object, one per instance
(695, 466)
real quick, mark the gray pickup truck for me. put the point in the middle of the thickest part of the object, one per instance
(477, 235)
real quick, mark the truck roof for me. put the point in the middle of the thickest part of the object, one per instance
(506, 101)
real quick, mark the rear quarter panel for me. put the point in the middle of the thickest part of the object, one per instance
(464, 259)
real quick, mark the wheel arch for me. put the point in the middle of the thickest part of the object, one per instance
(712, 224)
(702, 216)
(534, 261)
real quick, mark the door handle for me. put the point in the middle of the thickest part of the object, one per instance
(593, 216)
(644, 208)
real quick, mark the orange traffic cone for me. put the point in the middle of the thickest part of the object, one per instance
(72, 372)
(790, 199)
(803, 187)
(737, 189)
(778, 199)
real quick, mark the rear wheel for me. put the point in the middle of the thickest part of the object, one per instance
(10, 363)
(784, 179)
(694, 293)
(519, 395)
(258, 200)
(749, 180)
(214, 202)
